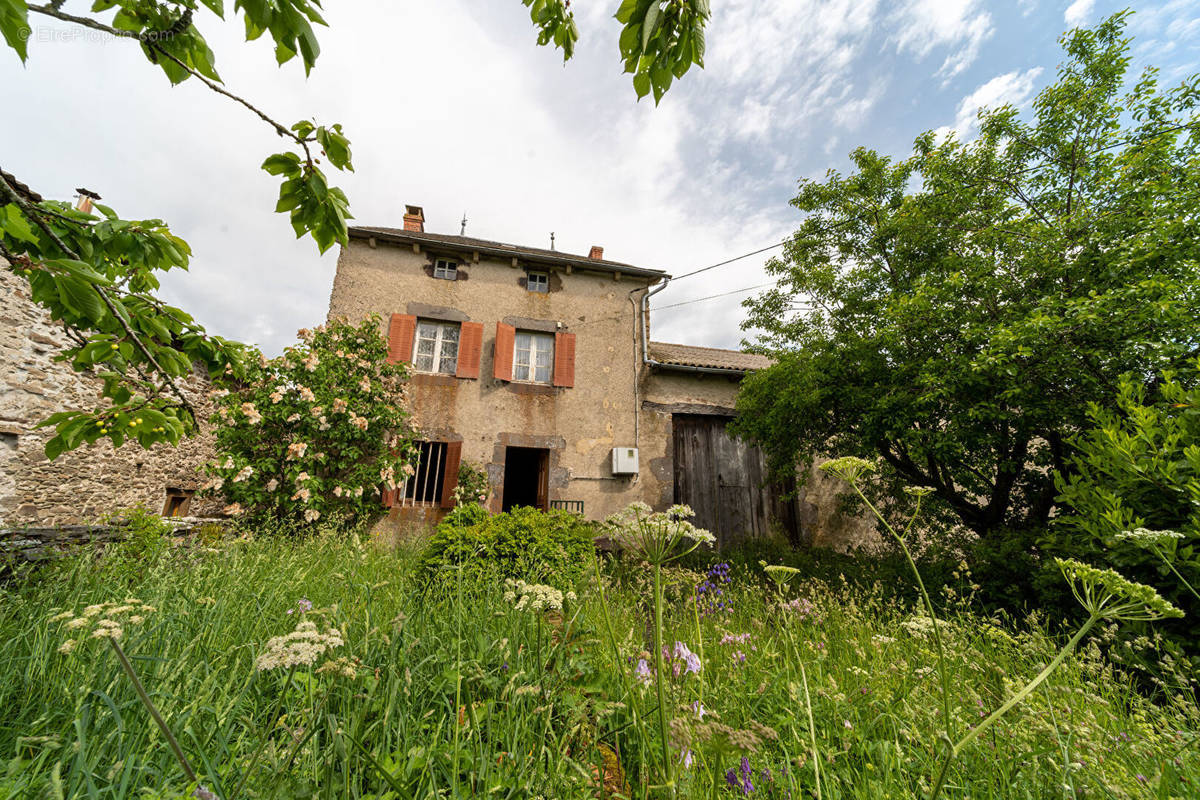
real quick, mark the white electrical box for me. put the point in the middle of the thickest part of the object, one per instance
(625, 461)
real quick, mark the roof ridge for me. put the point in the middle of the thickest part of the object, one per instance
(467, 241)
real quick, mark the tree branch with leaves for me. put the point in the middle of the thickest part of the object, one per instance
(96, 274)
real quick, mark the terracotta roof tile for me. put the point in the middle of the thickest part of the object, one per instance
(685, 355)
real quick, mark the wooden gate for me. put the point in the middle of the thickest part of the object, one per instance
(724, 480)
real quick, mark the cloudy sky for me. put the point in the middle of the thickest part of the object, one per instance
(450, 105)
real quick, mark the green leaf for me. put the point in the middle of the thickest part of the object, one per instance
(55, 447)
(282, 164)
(80, 296)
(625, 12)
(13, 222)
(650, 23)
(14, 26)
(641, 84)
(80, 270)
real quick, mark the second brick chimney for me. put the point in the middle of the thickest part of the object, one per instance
(597, 253)
(414, 219)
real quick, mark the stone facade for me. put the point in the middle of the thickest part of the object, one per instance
(616, 397)
(85, 485)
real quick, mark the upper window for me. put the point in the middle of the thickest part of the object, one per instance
(533, 357)
(445, 269)
(538, 282)
(435, 348)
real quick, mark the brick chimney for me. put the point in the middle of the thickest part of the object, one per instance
(596, 253)
(414, 219)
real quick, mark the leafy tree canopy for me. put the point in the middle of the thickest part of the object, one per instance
(954, 313)
(96, 274)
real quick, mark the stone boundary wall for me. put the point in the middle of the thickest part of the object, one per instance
(83, 486)
(38, 544)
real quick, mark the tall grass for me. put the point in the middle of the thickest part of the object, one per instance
(458, 694)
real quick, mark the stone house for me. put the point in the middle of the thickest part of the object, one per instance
(82, 486)
(537, 365)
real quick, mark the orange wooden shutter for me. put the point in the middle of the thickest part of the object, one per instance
(470, 344)
(400, 338)
(564, 359)
(450, 480)
(506, 336)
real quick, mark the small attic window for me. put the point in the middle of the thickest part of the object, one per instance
(538, 282)
(445, 269)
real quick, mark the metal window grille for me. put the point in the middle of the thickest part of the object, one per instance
(435, 347)
(538, 282)
(533, 357)
(424, 486)
(445, 269)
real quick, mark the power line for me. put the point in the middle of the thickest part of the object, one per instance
(713, 296)
(726, 261)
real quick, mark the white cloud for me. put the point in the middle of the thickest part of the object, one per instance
(1078, 12)
(1011, 88)
(959, 25)
(468, 115)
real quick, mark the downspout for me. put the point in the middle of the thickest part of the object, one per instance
(646, 322)
(637, 372)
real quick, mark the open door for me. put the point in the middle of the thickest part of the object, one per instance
(526, 478)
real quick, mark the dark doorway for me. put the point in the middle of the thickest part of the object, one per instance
(725, 481)
(526, 477)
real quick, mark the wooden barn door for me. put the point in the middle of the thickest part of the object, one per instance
(724, 480)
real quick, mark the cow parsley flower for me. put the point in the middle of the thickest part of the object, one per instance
(533, 597)
(1144, 537)
(1108, 594)
(848, 468)
(300, 648)
(659, 536)
(779, 573)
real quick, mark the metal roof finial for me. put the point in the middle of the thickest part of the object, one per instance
(551, 240)
(462, 231)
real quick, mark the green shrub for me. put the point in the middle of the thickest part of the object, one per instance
(553, 546)
(1138, 467)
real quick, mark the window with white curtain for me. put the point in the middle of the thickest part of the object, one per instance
(533, 357)
(435, 348)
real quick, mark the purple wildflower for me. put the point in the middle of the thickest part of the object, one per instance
(746, 771)
(643, 672)
(691, 660)
(202, 792)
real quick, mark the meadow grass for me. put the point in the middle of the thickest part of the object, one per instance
(447, 689)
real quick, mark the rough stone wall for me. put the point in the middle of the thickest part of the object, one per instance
(82, 486)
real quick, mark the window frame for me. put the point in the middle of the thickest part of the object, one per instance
(439, 340)
(416, 490)
(448, 268)
(543, 281)
(530, 367)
